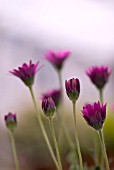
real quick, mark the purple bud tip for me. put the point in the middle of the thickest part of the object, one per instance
(72, 89)
(99, 75)
(27, 72)
(94, 115)
(57, 58)
(48, 106)
(10, 120)
(54, 94)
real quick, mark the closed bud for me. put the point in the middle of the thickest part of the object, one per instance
(72, 89)
(10, 120)
(48, 106)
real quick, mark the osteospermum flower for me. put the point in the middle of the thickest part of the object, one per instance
(57, 59)
(48, 106)
(72, 89)
(54, 94)
(27, 72)
(95, 115)
(10, 120)
(99, 75)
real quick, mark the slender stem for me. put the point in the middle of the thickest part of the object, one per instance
(60, 82)
(76, 137)
(43, 129)
(104, 149)
(14, 150)
(101, 102)
(101, 96)
(60, 107)
(69, 140)
(55, 142)
(96, 150)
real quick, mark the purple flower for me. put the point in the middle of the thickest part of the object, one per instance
(10, 120)
(48, 106)
(95, 115)
(27, 72)
(54, 94)
(72, 89)
(57, 59)
(99, 75)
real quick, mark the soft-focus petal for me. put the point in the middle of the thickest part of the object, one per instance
(99, 75)
(57, 58)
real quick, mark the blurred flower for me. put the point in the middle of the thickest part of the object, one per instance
(95, 115)
(10, 120)
(48, 106)
(55, 94)
(57, 59)
(72, 89)
(27, 72)
(99, 75)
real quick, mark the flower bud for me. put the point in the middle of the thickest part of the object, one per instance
(72, 89)
(54, 94)
(10, 120)
(48, 107)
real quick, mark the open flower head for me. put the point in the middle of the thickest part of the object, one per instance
(10, 120)
(99, 75)
(54, 94)
(72, 89)
(27, 72)
(57, 58)
(48, 106)
(95, 115)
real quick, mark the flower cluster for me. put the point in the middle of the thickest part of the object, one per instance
(94, 114)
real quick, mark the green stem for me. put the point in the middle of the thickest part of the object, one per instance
(14, 150)
(101, 96)
(104, 149)
(60, 107)
(96, 150)
(43, 129)
(55, 142)
(76, 137)
(65, 131)
(101, 102)
(60, 82)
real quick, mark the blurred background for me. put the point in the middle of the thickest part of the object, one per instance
(28, 29)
